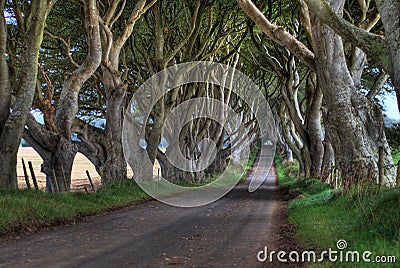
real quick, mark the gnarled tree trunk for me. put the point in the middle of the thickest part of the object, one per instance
(12, 124)
(354, 124)
(313, 125)
(104, 147)
(55, 145)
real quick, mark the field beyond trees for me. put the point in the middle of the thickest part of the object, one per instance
(79, 177)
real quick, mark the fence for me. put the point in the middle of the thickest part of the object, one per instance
(79, 176)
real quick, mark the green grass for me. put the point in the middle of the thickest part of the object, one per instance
(28, 209)
(368, 218)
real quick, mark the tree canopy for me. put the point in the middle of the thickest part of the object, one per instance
(319, 64)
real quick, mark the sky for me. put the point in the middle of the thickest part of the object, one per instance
(390, 106)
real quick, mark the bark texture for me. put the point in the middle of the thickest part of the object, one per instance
(313, 125)
(354, 124)
(56, 147)
(12, 124)
(384, 50)
(104, 147)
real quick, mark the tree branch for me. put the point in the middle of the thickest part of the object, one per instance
(376, 88)
(372, 44)
(278, 34)
(111, 11)
(66, 44)
(140, 8)
(184, 41)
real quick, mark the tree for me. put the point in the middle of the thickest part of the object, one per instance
(385, 50)
(204, 36)
(54, 144)
(20, 42)
(353, 124)
(296, 85)
(105, 94)
(104, 147)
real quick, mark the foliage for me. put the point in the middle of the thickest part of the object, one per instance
(396, 155)
(286, 171)
(393, 136)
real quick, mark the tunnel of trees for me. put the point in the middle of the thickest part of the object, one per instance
(320, 64)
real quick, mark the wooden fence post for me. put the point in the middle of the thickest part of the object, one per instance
(35, 184)
(64, 179)
(28, 185)
(90, 180)
(55, 182)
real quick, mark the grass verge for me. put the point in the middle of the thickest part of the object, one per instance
(368, 219)
(30, 210)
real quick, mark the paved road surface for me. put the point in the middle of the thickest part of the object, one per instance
(226, 233)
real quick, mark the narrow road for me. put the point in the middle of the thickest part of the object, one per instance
(226, 233)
